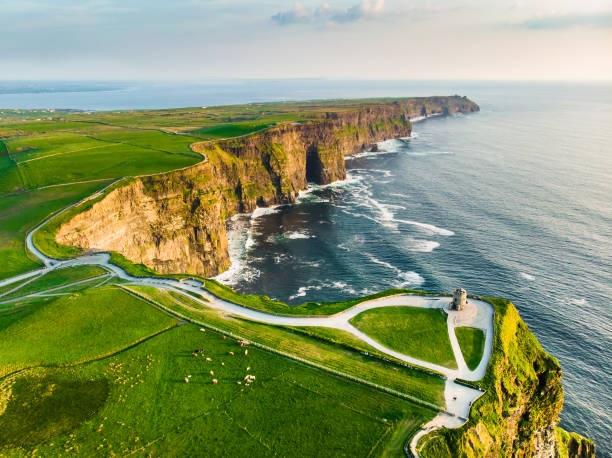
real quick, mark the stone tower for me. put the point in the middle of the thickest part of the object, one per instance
(459, 299)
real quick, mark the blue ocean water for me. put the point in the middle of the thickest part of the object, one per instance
(514, 201)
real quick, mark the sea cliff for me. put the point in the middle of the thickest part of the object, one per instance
(519, 412)
(176, 222)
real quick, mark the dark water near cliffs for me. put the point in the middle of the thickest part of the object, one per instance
(514, 201)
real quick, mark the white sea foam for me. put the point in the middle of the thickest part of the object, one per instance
(428, 153)
(354, 242)
(280, 258)
(312, 263)
(367, 154)
(250, 241)
(294, 235)
(428, 227)
(308, 194)
(239, 233)
(408, 278)
(527, 276)
(422, 118)
(385, 173)
(581, 302)
(303, 290)
(423, 246)
(261, 211)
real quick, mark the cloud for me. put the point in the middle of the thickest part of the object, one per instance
(600, 20)
(325, 14)
(297, 14)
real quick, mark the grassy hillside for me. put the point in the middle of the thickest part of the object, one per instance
(471, 341)
(345, 359)
(103, 372)
(54, 279)
(406, 329)
(77, 327)
(21, 212)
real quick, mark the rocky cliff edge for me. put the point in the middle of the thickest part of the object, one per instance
(176, 222)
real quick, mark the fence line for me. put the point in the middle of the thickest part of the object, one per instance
(385, 389)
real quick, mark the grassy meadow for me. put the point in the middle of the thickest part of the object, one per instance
(406, 329)
(471, 341)
(21, 212)
(62, 330)
(345, 358)
(103, 372)
(55, 279)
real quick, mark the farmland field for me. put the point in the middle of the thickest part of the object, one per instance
(349, 359)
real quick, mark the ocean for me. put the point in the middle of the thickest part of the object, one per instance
(514, 201)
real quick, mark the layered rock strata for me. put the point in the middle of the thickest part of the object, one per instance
(176, 222)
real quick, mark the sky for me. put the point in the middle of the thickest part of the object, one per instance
(397, 39)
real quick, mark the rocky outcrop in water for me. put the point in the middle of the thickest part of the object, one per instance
(175, 222)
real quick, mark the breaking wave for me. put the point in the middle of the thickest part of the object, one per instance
(404, 279)
(329, 285)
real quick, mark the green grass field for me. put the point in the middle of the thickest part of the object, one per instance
(137, 402)
(231, 130)
(21, 212)
(77, 327)
(471, 341)
(420, 333)
(51, 153)
(89, 381)
(343, 338)
(345, 359)
(56, 279)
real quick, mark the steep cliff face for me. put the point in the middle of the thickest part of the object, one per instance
(175, 222)
(518, 414)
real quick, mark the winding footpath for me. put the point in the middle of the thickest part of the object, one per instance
(458, 397)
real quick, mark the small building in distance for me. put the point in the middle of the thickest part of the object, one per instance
(459, 299)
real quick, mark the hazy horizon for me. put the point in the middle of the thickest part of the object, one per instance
(500, 40)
